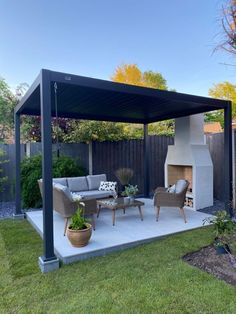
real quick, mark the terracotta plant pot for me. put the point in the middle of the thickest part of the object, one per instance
(79, 238)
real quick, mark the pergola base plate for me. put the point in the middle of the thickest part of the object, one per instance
(47, 266)
(19, 216)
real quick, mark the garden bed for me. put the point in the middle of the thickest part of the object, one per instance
(218, 265)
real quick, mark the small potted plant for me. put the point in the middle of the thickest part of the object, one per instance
(223, 226)
(130, 191)
(124, 175)
(79, 231)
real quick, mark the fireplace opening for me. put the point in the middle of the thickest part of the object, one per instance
(177, 172)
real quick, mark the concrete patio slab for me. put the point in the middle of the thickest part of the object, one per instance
(129, 230)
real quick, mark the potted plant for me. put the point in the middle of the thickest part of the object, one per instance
(223, 226)
(79, 231)
(130, 191)
(124, 175)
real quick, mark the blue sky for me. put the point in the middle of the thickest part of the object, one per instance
(92, 37)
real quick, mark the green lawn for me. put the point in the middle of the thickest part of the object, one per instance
(151, 278)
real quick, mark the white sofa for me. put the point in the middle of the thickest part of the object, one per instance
(87, 187)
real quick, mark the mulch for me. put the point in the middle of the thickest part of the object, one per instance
(218, 265)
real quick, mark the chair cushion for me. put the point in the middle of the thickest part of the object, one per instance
(171, 189)
(62, 181)
(180, 186)
(94, 181)
(108, 186)
(63, 189)
(77, 184)
(95, 194)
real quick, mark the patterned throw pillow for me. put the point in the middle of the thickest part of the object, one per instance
(107, 186)
(171, 189)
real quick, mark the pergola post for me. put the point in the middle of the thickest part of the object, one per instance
(146, 160)
(228, 158)
(18, 213)
(48, 261)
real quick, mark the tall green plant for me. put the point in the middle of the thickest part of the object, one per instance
(31, 172)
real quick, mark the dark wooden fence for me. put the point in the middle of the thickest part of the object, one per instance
(109, 156)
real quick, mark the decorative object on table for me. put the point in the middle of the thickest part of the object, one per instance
(130, 191)
(124, 175)
(119, 203)
(223, 228)
(79, 231)
(171, 197)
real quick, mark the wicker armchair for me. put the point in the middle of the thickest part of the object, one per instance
(163, 198)
(66, 207)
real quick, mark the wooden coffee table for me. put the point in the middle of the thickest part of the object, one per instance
(119, 203)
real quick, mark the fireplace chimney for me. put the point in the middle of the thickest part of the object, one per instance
(189, 158)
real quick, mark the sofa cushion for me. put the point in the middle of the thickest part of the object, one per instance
(180, 186)
(77, 184)
(108, 186)
(94, 181)
(62, 181)
(64, 189)
(94, 194)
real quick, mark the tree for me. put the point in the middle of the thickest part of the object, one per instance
(154, 80)
(226, 91)
(131, 74)
(228, 21)
(8, 102)
(61, 127)
(87, 131)
(128, 74)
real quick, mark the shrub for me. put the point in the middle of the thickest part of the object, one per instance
(31, 171)
(3, 179)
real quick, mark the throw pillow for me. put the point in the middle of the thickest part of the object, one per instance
(108, 186)
(171, 189)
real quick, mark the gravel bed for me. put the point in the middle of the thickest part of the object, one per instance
(212, 210)
(7, 209)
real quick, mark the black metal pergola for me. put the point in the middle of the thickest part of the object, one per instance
(87, 98)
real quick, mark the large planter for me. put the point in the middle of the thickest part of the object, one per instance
(79, 238)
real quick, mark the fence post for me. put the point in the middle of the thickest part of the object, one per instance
(90, 147)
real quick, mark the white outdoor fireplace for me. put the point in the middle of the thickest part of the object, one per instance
(189, 158)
